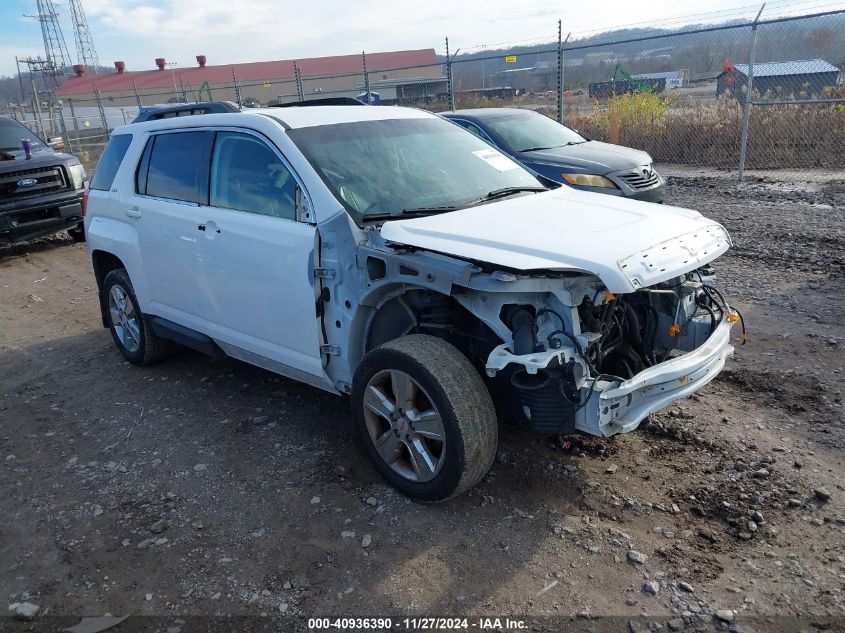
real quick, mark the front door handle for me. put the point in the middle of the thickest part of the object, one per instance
(133, 212)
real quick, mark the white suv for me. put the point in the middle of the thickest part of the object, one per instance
(386, 253)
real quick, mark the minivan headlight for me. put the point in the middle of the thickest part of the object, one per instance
(588, 180)
(77, 176)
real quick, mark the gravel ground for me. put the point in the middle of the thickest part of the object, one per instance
(204, 488)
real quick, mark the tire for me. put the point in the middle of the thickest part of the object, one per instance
(138, 344)
(433, 375)
(77, 233)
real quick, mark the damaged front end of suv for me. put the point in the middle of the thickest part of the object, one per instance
(564, 347)
(585, 358)
(454, 289)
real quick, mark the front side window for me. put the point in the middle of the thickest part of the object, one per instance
(397, 166)
(176, 166)
(531, 131)
(246, 175)
(110, 161)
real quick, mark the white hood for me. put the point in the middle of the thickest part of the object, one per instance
(626, 243)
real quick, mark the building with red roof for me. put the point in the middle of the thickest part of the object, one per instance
(393, 73)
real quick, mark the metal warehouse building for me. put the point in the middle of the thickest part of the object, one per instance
(419, 74)
(805, 77)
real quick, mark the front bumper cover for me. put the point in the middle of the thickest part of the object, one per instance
(40, 216)
(620, 407)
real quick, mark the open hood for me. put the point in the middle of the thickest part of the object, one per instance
(626, 243)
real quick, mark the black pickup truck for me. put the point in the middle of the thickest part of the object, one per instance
(41, 194)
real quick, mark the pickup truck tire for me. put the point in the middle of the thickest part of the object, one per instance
(424, 417)
(77, 233)
(130, 328)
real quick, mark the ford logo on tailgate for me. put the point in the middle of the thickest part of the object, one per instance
(27, 182)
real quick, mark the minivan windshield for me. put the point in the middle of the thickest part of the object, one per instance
(12, 133)
(385, 168)
(531, 131)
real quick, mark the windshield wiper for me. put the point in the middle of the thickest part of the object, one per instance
(506, 191)
(415, 211)
(537, 149)
(418, 211)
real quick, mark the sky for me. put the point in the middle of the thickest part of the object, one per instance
(231, 31)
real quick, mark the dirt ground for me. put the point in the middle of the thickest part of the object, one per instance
(211, 488)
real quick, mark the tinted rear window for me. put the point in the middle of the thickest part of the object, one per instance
(178, 166)
(110, 162)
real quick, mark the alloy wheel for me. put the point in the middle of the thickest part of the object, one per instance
(404, 425)
(124, 319)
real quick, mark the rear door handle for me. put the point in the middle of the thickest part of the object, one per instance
(133, 212)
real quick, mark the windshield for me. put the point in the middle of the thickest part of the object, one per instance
(532, 131)
(12, 133)
(382, 168)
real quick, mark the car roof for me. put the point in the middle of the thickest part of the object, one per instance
(486, 113)
(327, 115)
(289, 118)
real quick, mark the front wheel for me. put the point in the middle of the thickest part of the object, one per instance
(425, 417)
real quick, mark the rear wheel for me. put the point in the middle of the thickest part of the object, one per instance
(425, 417)
(129, 327)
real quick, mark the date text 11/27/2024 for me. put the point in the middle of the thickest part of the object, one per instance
(416, 624)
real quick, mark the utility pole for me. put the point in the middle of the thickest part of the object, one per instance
(36, 108)
(20, 79)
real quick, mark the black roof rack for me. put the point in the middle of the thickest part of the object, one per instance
(166, 111)
(336, 101)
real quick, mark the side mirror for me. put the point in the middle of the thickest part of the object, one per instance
(55, 142)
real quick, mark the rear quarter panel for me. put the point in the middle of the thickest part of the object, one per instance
(107, 227)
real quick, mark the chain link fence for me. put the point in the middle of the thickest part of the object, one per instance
(762, 96)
